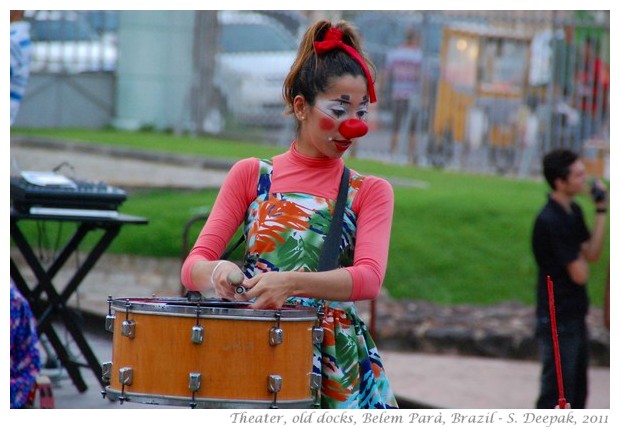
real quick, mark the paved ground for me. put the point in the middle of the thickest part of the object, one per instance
(114, 170)
(420, 380)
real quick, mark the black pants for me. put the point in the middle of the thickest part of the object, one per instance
(574, 356)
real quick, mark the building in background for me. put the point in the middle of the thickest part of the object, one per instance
(181, 71)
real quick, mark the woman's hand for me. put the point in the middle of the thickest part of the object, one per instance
(270, 289)
(225, 277)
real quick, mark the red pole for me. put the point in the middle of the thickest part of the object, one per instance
(556, 345)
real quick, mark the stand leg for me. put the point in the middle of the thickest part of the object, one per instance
(56, 305)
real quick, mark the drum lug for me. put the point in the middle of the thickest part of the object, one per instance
(197, 334)
(109, 323)
(276, 336)
(194, 385)
(315, 381)
(317, 330)
(128, 328)
(274, 386)
(109, 318)
(106, 372)
(315, 387)
(125, 376)
(275, 383)
(194, 381)
(317, 335)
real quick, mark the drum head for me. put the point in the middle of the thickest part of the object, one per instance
(209, 308)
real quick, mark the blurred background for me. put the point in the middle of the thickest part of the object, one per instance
(499, 88)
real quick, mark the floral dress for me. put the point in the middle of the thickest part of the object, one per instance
(278, 228)
(25, 358)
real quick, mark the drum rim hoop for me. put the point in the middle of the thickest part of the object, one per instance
(184, 308)
(211, 402)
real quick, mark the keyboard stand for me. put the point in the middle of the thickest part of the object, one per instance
(55, 304)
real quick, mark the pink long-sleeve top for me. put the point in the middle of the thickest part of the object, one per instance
(294, 172)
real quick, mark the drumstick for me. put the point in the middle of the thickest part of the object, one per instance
(556, 345)
(235, 278)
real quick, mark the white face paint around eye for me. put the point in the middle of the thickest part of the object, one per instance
(341, 108)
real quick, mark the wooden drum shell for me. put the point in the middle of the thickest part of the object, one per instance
(234, 360)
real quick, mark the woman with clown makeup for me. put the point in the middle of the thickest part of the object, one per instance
(286, 205)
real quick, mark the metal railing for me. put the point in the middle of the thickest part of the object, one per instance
(499, 87)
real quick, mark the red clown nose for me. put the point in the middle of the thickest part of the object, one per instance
(353, 128)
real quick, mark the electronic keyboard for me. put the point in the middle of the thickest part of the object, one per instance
(55, 191)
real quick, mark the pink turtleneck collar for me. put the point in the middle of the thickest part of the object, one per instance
(295, 172)
(308, 161)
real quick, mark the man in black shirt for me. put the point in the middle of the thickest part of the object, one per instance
(563, 248)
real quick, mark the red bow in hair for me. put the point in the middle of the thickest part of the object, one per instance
(333, 40)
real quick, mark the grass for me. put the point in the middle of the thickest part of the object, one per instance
(460, 239)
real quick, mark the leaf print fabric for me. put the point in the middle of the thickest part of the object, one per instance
(285, 232)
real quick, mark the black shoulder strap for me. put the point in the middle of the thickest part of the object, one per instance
(329, 254)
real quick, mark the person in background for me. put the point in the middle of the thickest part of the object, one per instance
(528, 131)
(25, 358)
(591, 90)
(24, 352)
(286, 207)
(20, 59)
(403, 73)
(563, 248)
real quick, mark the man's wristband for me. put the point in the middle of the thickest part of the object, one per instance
(601, 210)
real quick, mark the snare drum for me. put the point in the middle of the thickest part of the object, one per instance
(211, 354)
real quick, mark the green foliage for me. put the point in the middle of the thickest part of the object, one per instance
(162, 142)
(462, 239)
(456, 238)
(167, 212)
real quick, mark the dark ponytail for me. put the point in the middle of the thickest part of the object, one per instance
(311, 74)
